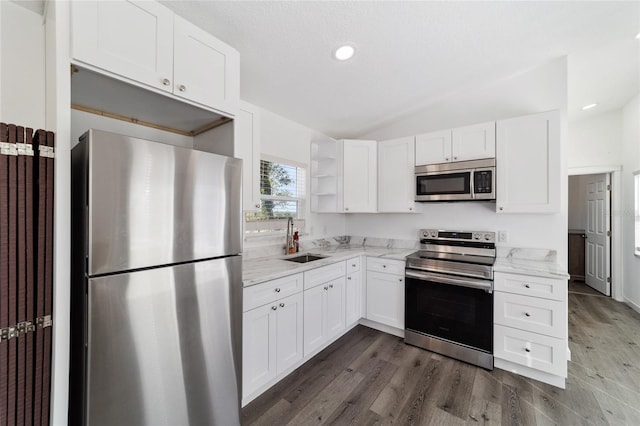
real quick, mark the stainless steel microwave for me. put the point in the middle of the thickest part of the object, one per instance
(459, 181)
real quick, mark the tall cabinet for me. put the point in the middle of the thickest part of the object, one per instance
(396, 179)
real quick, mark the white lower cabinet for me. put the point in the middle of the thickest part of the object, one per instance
(271, 341)
(353, 298)
(324, 313)
(530, 326)
(385, 292)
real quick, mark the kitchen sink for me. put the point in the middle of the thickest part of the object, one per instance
(304, 258)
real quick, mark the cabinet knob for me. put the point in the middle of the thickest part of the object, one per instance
(182, 88)
(346, 209)
(274, 308)
(277, 290)
(501, 208)
(330, 285)
(446, 158)
(384, 266)
(353, 265)
(527, 286)
(282, 305)
(257, 206)
(527, 314)
(410, 208)
(166, 81)
(400, 279)
(527, 350)
(455, 158)
(349, 278)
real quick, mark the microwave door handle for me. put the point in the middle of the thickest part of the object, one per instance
(471, 184)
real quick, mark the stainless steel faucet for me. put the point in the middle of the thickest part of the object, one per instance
(289, 235)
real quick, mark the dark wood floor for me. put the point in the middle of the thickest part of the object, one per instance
(370, 378)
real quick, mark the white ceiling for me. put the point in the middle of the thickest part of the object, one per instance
(412, 54)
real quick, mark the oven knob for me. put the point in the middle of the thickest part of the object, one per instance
(476, 236)
(487, 237)
(434, 234)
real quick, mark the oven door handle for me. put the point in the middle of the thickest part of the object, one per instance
(444, 279)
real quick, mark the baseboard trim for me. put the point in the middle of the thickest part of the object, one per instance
(632, 305)
(382, 327)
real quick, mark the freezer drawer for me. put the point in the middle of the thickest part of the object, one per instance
(150, 204)
(163, 345)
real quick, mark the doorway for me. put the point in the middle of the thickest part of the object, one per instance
(589, 238)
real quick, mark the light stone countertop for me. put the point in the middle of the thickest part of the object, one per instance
(536, 262)
(258, 270)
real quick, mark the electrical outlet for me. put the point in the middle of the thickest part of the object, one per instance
(502, 236)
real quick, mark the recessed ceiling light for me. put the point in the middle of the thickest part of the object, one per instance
(586, 107)
(344, 52)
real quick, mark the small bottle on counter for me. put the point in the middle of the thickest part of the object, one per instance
(296, 241)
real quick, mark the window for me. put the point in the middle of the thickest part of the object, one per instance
(636, 194)
(282, 195)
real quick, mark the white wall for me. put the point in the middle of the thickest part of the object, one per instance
(285, 139)
(540, 89)
(631, 163)
(596, 141)
(22, 73)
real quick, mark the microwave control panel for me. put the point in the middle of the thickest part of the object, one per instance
(482, 182)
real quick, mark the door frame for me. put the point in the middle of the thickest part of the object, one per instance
(616, 222)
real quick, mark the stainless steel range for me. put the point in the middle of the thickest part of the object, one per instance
(449, 295)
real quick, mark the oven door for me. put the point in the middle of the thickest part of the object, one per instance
(444, 186)
(455, 309)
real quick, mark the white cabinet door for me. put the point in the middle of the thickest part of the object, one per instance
(315, 325)
(258, 348)
(133, 39)
(289, 332)
(396, 178)
(335, 315)
(474, 142)
(353, 298)
(433, 148)
(247, 147)
(528, 164)
(360, 176)
(205, 70)
(385, 299)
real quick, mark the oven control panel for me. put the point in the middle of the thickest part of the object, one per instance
(479, 236)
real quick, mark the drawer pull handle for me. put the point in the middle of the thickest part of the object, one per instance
(527, 286)
(282, 305)
(353, 265)
(527, 314)
(277, 290)
(274, 307)
(330, 285)
(326, 288)
(527, 350)
(384, 266)
(349, 278)
(400, 279)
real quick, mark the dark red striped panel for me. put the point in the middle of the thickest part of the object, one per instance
(12, 216)
(4, 273)
(22, 279)
(29, 337)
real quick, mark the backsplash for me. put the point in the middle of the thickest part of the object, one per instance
(274, 246)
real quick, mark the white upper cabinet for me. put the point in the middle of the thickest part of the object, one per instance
(474, 142)
(460, 144)
(360, 176)
(247, 147)
(205, 70)
(146, 43)
(396, 179)
(133, 39)
(433, 148)
(528, 164)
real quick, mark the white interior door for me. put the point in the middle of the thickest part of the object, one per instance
(598, 245)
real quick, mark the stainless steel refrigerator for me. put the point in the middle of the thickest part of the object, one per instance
(156, 284)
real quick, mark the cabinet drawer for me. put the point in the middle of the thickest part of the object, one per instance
(377, 264)
(542, 316)
(323, 274)
(353, 265)
(270, 291)
(549, 288)
(532, 350)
